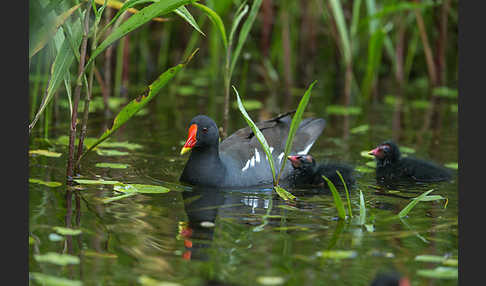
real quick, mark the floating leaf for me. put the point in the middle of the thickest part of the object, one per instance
(147, 281)
(56, 258)
(270, 280)
(364, 169)
(48, 184)
(366, 155)
(140, 188)
(55, 237)
(284, 194)
(439, 273)
(444, 91)
(371, 164)
(432, 198)
(95, 182)
(290, 208)
(91, 253)
(412, 204)
(112, 165)
(405, 149)
(66, 231)
(107, 152)
(46, 153)
(343, 110)
(436, 259)
(452, 165)
(116, 198)
(338, 254)
(44, 279)
(360, 129)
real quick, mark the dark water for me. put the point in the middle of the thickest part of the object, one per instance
(193, 236)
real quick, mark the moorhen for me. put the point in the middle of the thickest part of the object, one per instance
(239, 160)
(390, 166)
(307, 173)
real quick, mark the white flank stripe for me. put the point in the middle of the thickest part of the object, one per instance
(246, 166)
(257, 156)
(280, 157)
(252, 162)
(271, 150)
(304, 152)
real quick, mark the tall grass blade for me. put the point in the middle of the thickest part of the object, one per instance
(245, 30)
(258, 134)
(338, 13)
(186, 15)
(355, 19)
(347, 193)
(337, 199)
(60, 67)
(297, 118)
(129, 110)
(240, 13)
(214, 17)
(137, 20)
(46, 33)
(374, 58)
(412, 204)
(362, 209)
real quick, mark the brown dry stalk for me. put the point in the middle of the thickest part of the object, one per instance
(428, 51)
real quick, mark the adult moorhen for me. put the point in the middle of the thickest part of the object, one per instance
(239, 160)
(307, 173)
(390, 166)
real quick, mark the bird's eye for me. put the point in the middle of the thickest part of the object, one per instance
(385, 148)
(205, 130)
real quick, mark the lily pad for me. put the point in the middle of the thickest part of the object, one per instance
(112, 165)
(270, 280)
(360, 129)
(46, 153)
(66, 231)
(338, 254)
(95, 182)
(48, 184)
(108, 152)
(343, 110)
(88, 141)
(140, 188)
(452, 165)
(45, 279)
(56, 258)
(440, 272)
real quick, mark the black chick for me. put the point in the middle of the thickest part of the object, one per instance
(307, 173)
(390, 166)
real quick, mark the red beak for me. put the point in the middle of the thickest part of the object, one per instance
(294, 160)
(374, 152)
(191, 139)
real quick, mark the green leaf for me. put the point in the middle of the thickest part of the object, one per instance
(240, 13)
(363, 169)
(95, 182)
(360, 129)
(245, 30)
(343, 110)
(140, 188)
(439, 273)
(337, 199)
(56, 258)
(48, 184)
(48, 31)
(112, 165)
(371, 164)
(362, 209)
(294, 125)
(186, 15)
(258, 134)
(452, 165)
(116, 198)
(129, 110)
(366, 155)
(405, 149)
(374, 59)
(347, 192)
(412, 204)
(66, 231)
(444, 91)
(270, 280)
(49, 280)
(143, 16)
(432, 198)
(126, 5)
(437, 259)
(250, 104)
(214, 17)
(338, 254)
(106, 152)
(46, 153)
(284, 194)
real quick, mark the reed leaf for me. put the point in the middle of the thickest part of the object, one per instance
(258, 135)
(362, 209)
(240, 13)
(338, 13)
(347, 192)
(47, 32)
(245, 30)
(294, 126)
(137, 20)
(374, 58)
(214, 17)
(129, 110)
(186, 15)
(337, 199)
(412, 204)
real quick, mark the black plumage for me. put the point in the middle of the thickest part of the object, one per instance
(391, 166)
(307, 173)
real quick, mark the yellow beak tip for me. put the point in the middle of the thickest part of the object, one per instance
(185, 150)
